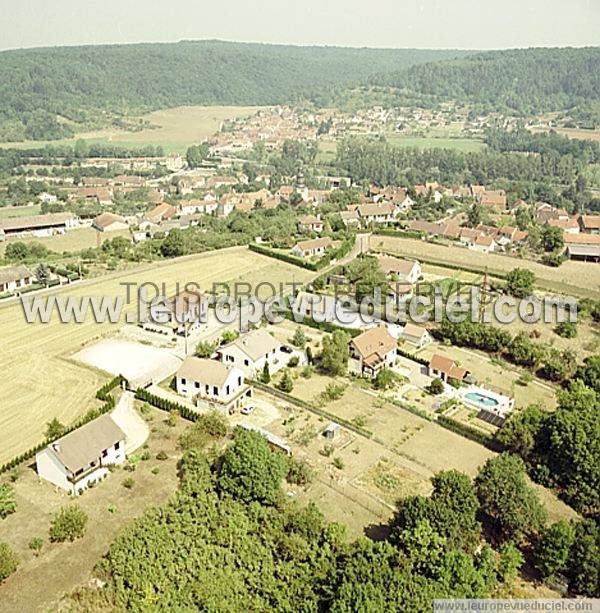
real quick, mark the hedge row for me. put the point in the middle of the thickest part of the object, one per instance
(312, 408)
(411, 408)
(399, 233)
(344, 249)
(469, 432)
(104, 392)
(410, 356)
(109, 404)
(165, 405)
(284, 257)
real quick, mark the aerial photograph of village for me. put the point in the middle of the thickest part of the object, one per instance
(300, 306)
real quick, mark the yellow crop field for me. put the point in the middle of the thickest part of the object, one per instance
(174, 129)
(38, 380)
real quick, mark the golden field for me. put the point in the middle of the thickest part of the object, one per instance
(39, 381)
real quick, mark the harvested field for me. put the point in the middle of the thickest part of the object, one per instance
(40, 381)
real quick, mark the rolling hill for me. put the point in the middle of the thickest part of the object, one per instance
(44, 91)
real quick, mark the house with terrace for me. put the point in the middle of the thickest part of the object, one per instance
(212, 384)
(371, 352)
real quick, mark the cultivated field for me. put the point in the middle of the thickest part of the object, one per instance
(580, 278)
(40, 381)
(176, 129)
(572, 133)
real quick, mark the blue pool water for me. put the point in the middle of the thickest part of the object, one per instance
(484, 401)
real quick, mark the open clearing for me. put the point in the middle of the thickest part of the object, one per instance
(572, 133)
(39, 379)
(177, 128)
(12, 212)
(134, 361)
(580, 278)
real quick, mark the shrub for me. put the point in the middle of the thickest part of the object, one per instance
(161, 455)
(293, 361)
(36, 544)
(338, 463)
(299, 472)
(69, 524)
(8, 561)
(286, 384)
(566, 329)
(436, 386)
(128, 483)
(8, 504)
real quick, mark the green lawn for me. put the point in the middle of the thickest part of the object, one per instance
(423, 142)
(10, 212)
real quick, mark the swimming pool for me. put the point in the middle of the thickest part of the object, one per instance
(481, 399)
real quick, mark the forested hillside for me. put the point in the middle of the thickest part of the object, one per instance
(523, 80)
(41, 88)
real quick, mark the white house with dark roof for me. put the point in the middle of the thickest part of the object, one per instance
(250, 351)
(82, 457)
(415, 335)
(212, 384)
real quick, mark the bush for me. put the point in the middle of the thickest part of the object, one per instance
(436, 386)
(8, 561)
(128, 483)
(338, 463)
(286, 384)
(566, 329)
(8, 504)
(69, 524)
(293, 361)
(36, 544)
(161, 455)
(299, 472)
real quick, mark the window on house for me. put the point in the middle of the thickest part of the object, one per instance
(246, 363)
(183, 381)
(118, 445)
(215, 390)
(105, 453)
(197, 384)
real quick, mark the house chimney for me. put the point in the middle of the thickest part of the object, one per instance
(56, 447)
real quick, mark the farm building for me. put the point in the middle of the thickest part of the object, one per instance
(37, 225)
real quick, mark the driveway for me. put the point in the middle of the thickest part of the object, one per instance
(135, 428)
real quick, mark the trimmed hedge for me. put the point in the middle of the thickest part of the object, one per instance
(312, 408)
(399, 233)
(410, 356)
(344, 249)
(165, 405)
(284, 257)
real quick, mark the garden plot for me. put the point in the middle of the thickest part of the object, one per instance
(138, 363)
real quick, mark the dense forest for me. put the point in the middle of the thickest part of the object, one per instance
(516, 80)
(43, 90)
